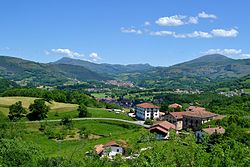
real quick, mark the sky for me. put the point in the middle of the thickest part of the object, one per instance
(158, 32)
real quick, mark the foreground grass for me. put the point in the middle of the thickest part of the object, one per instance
(108, 130)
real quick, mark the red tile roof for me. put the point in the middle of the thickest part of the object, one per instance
(99, 148)
(147, 105)
(164, 124)
(178, 115)
(159, 128)
(194, 111)
(200, 114)
(175, 105)
(219, 130)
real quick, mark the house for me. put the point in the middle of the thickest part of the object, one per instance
(217, 130)
(111, 148)
(175, 107)
(195, 116)
(161, 129)
(147, 111)
(175, 118)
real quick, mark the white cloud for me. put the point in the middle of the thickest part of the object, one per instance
(198, 34)
(207, 16)
(193, 20)
(176, 20)
(66, 53)
(131, 30)
(94, 57)
(147, 23)
(224, 33)
(162, 33)
(246, 56)
(227, 52)
(195, 34)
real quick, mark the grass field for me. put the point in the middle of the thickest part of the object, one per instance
(58, 110)
(98, 95)
(109, 130)
(95, 113)
(5, 102)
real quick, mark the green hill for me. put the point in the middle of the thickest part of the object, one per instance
(29, 72)
(105, 68)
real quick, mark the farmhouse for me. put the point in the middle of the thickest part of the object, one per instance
(175, 107)
(147, 111)
(111, 148)
(175, 118)
(195, 117)
(161, 129)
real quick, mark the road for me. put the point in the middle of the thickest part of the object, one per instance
(139, 123)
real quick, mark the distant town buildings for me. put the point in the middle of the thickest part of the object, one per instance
(147, 111)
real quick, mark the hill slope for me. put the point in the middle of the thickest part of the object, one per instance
(105, 68)
(36, 73)
(197, 72)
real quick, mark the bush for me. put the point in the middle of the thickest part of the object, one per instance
(148, 122)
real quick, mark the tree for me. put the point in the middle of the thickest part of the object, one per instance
(83, 111)
(16, 111)
(38, 110)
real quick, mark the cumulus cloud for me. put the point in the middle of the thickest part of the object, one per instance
(131, 30)
(198, 34)
(162, 33)
(224, 33)
(246, 56)
(193, 20)
(228, 52)
(204, 15)
(176, 20)
(65, 52)
(94, 57)
(195, 34)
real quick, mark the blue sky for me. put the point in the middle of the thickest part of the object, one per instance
(158, 32)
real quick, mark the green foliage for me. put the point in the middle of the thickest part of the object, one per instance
(38, 110)
(66, 121)
(16, 111)
(83, 111)
(148, 122)
(18, 153)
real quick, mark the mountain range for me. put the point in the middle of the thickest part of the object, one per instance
(204, 69)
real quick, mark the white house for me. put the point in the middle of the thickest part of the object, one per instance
(147, 111)
(111, 148)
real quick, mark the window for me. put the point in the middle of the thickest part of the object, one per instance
(117, 150)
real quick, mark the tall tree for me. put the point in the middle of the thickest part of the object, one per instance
(83, 111)
(16, 111)
(38, 110)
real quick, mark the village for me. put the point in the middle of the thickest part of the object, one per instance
(160, 124)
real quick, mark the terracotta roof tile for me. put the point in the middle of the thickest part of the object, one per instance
(147, 105)
(175, 105)
(164, 124)
(178, 115)
(219, 130)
